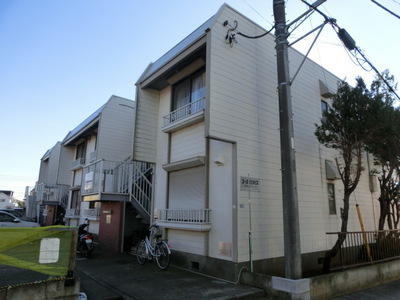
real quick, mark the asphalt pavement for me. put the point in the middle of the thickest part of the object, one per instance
(106, 276)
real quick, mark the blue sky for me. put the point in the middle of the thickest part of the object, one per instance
(61, 60)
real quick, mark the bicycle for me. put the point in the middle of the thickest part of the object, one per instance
(153, 246)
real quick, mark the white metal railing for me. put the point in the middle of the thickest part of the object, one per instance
(91, 213)
(53, 193)
(184, 111)
(72, 213)
(78, 163)
(196, 216)
(132, 178)
(142, 187)
(92, 156)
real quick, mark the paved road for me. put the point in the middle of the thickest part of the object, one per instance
(388, 291)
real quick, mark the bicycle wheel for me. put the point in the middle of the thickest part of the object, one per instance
(163, 255)
(141, 254)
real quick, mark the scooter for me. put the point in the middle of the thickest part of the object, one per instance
(85, 240)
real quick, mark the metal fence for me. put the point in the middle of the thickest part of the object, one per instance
(368, 247)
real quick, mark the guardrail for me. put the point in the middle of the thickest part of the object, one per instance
(361, 248)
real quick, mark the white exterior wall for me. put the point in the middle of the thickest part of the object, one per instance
(243, 107)
(187, 241)
(221, 200)
(188, 142)
(161, 176)
(53, 166)
(146, 127)
(115, 134)
(66, 159)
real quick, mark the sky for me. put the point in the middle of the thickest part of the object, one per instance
(61, 60)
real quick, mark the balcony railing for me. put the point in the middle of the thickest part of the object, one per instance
(55, 193)
(91, 213)
(132, 178)
(78, 163)
(185, 111)
(72, 213)
(92, 156)
(186, 219)
(360, 248)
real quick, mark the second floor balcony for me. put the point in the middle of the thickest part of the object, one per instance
(52, 194)
(78, 163)
(185, 115)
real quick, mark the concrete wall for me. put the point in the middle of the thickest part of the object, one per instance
(47, 289)
(325, 286)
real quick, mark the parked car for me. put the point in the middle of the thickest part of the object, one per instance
(17, 213)
(9, 220)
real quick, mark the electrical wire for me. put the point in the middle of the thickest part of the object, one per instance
(257, 36)
(258, 12)
(386, 9)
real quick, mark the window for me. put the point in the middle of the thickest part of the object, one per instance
(189, 90)
(6, 218)
(331, 198)
(81, 150)
(324, 108)
(75, 199)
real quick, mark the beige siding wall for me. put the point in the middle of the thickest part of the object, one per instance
(161, 176)
(53, 166)
(146, 129)
(187, 241)
(243, 107)
(66, 159)
(77, 180)
(188, 142)
(115, 136)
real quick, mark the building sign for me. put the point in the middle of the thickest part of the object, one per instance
(89, 181)
(249, 184)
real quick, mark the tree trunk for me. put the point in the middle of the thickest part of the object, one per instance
(339, 242)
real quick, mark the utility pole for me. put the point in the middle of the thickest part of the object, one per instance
(292, 251)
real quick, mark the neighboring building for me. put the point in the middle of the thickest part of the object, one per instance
(30, 203)
(103, 175)
(52, 187)
(5, 199)
(207, 116)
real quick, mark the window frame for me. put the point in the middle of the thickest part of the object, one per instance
(189, 79)
(331, 197)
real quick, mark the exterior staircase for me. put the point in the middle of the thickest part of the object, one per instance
(130, 181)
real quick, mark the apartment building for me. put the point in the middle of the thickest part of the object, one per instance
(207, 117)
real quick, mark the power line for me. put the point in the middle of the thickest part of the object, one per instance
(258, 12)
(388, 10)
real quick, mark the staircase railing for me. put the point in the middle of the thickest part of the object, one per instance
(134, 179)
(142, 186)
